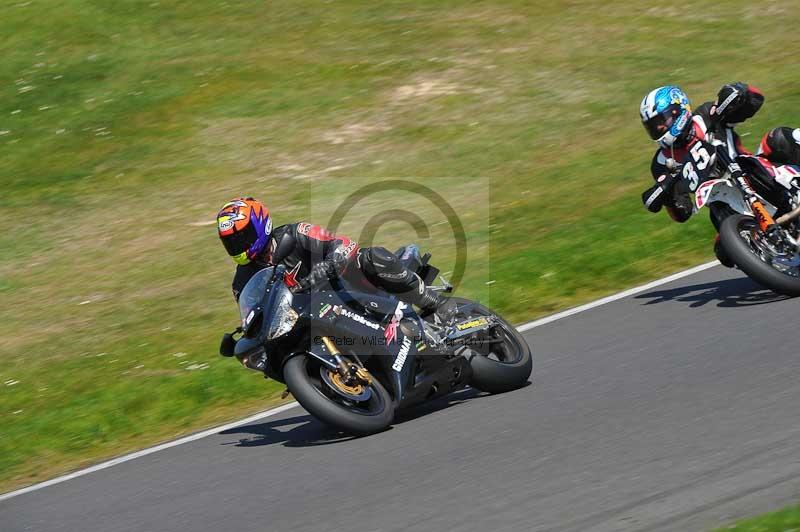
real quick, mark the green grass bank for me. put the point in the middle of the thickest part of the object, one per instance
(785, 520)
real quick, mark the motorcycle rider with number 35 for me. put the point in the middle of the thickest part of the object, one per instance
(693, 146)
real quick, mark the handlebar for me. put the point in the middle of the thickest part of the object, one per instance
(307, 284)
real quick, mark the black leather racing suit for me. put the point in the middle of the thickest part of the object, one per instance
(307, 250)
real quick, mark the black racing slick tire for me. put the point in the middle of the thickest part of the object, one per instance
(740, 250)
(506, 366)
(360, 419)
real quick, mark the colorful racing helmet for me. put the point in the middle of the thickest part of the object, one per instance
(244, 226)
(667, 116)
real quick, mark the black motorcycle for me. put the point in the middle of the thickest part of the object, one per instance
(352, 358)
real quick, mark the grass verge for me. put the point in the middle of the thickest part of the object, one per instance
(785, 520)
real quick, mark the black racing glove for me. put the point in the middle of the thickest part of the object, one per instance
(655, 196)
(736, 102)
(320, 273)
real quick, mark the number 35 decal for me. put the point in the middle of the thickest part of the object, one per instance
(701, 159)
(691, 176)
(700, 156)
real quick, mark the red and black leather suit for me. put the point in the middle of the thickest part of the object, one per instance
(706, 147)
(312, 253)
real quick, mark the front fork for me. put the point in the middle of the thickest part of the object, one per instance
(763, 217)
(766, 222)
(347, 370)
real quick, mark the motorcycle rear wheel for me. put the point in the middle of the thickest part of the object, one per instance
(314, 394)
(738, 235)
(502, 367)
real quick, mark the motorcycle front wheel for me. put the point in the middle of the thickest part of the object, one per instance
(747, 246)
(303, 376)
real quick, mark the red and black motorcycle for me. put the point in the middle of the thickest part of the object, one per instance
(756, 207)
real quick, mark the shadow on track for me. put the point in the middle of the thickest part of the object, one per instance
(740, 292)
(296, 431)
(306, 431)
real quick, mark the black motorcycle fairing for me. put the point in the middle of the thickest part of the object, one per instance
(331, 312)
(381, 332)
(251, 354)
(317, 351)
(380, 307)
(398, 364)
(438, 376)
(246, 346)
(369, 330)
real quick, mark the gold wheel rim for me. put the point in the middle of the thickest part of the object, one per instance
(336, 379)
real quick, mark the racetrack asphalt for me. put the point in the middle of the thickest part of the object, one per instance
(675, 409)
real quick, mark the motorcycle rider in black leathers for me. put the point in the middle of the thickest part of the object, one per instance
(313, 255)
(694, 146)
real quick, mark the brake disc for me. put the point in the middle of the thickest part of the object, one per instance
(358, 391)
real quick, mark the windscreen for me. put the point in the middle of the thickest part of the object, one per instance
(254, 291)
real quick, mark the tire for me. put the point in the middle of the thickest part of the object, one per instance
(739, 250)
(498, 376)
(297, 374)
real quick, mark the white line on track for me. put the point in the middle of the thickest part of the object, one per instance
(622, 295)
(261, 415)
(149, 450)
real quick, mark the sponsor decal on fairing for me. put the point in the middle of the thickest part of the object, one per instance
(290, 279)
(477, 322)
(341, 311)
(400, 361)
(786, 175)
(391, 329)
(248, 319)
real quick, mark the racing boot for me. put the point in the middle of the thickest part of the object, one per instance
(385, 270)
(431, 302)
